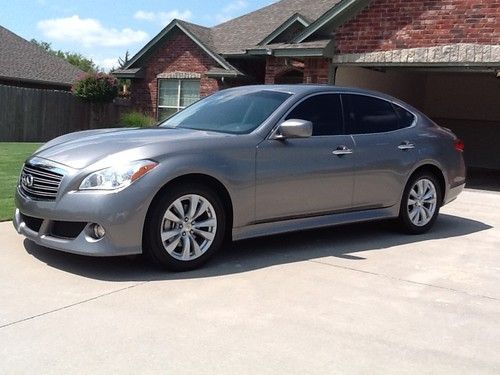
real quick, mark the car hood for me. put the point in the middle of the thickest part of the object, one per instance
(106, 146)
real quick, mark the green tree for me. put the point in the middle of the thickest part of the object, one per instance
(123, 83)
(96, 88)
(122, 62)
(76, 59)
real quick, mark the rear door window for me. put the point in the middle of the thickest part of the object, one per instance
(367, 114)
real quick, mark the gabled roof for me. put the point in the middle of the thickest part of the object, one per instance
(198, 34)
(21, 60)
(239, 34)
(296, 18)
(257, 32)
(334, 17)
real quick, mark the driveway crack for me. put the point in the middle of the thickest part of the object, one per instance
(407, 281)
(72, 305)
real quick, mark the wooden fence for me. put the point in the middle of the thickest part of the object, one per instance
(38, 115)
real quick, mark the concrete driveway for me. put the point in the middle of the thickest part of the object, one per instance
(352, 299)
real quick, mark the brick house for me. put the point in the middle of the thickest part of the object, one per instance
(442, 56)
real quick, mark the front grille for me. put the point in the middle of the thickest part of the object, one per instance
(32, 223)
(40, 183)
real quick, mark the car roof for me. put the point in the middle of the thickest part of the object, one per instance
(304, 89)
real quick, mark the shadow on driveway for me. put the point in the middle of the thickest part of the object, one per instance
(347, 241)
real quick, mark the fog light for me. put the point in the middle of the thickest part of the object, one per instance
(97, 231)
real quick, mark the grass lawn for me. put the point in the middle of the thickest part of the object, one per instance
(12, 157)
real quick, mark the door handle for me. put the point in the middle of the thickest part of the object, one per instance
(342, 150)
(406, 145)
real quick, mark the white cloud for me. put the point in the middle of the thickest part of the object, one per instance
(144, 16)
(89, 32)
(108, 63)
(163, 18)
(235, 6)
(231, 10)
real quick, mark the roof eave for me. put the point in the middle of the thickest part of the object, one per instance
(299, 52)
(128, 75)
(224, 74)
(35, 81)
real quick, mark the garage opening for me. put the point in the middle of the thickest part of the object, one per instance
(466, 102)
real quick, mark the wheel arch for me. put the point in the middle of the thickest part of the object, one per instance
(204, 180)
(436, 171)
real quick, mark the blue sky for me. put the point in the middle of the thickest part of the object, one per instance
(105, 29)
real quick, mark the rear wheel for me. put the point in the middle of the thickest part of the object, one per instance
(420, 204)
(185, 227)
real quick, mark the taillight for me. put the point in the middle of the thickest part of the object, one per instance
(459, 145)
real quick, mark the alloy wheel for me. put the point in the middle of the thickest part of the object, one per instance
(188, 227)
(422, 202)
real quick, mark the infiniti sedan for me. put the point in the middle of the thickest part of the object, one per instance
(244, 162)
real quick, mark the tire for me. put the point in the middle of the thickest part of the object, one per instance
(419, 210)
(184, 243)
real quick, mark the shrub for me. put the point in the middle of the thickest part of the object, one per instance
(96, 88)
(136, 120)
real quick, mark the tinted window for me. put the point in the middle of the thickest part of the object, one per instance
(405, 118)
(324, 111)
(367, 114)
(235, 112)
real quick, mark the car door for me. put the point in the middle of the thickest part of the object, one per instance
(385, 149)
(306, 176)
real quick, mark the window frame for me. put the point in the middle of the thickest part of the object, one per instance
(273, 132)
(346, 109)
(179, 92)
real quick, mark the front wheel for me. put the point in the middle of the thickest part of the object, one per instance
(185, 227)
(420, 204)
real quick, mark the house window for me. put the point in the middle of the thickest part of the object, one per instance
(176, 94)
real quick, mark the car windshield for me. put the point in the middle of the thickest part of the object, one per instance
(233, 112)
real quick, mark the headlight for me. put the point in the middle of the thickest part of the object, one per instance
(117, 177)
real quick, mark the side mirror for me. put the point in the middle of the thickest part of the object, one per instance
(294, 129)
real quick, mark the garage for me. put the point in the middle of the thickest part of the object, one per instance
(461, 93)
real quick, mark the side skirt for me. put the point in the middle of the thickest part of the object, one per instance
(291, 225)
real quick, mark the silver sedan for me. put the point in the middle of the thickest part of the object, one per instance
(244, 162)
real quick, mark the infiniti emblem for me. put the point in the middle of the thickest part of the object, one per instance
(27, 180)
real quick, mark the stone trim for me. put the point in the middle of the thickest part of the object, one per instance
(461, 53)
(179, 75)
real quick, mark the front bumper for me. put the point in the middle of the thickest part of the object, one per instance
(122, 215)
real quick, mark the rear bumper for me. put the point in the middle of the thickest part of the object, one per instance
(453, 193)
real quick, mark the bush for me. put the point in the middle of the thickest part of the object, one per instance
(96, 88)
(136, 120)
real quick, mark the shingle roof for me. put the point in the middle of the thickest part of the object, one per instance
(243, 33)
(204, 34)
(24, 61)
(239, 34)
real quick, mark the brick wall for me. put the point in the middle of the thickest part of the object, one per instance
(395, 24)
(178, 53)
(316, 70)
